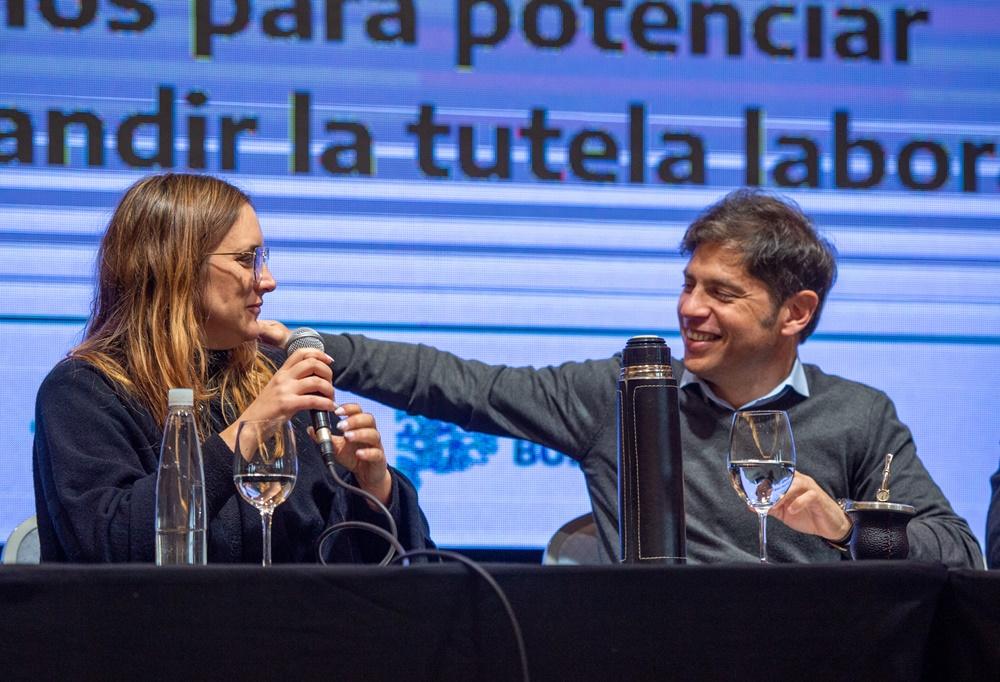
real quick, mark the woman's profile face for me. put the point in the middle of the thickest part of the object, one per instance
(231, 298)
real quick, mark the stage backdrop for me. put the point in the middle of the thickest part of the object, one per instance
(509, 180)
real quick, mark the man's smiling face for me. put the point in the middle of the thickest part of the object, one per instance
(729, 324)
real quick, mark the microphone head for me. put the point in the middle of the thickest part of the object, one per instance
(303, 337)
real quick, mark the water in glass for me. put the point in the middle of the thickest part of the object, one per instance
(761, 462)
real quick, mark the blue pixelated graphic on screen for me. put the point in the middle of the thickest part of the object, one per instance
(426, 445)
(535, 250)
(527, 454)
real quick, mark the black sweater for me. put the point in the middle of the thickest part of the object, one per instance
(842, 432)
(95, 459)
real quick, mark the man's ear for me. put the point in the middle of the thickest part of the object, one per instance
(797, 311)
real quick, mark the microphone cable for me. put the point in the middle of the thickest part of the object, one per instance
(304, 337)
(522, 652)
(309, 338)
(391, 536)
(398, 554)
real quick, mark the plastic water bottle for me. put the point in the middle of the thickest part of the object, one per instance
(180, 486)
(651, 522)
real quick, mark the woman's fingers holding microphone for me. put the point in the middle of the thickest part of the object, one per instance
(304, 382)
(358, 426)
(363, 439)
(309, 361)
(360, 450)
(311, 368)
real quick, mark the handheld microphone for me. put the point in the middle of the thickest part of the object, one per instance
(304, 337)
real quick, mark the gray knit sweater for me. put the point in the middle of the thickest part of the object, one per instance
(842, 432)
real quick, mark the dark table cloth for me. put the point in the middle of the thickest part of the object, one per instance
(875, 620)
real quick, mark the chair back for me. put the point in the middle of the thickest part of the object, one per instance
(22, 545)
(575, 543)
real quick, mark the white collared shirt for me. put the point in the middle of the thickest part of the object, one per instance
(795, 381)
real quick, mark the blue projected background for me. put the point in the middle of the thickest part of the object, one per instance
(518, 242)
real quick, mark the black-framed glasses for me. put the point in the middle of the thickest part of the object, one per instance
(256, 259)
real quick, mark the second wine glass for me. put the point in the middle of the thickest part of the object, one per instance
(265, 467)
(761, 462)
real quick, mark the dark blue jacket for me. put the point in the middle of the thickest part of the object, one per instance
(95, 458)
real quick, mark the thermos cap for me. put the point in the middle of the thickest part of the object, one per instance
(645, 350)
(180, 397)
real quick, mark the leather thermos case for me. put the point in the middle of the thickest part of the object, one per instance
(650, 468)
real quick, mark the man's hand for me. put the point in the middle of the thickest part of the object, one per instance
(273, 333)
(808, 509)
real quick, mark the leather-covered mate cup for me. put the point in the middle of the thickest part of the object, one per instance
(879, 530)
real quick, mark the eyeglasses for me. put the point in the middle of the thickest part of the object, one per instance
(255, 259)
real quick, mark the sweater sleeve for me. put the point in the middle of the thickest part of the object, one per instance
(562, 407)
(97, 470)
(993, 524)
(936, 533)
(411, 525)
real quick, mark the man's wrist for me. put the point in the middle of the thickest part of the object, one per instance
(842, 544)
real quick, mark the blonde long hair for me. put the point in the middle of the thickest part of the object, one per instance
(145, 331)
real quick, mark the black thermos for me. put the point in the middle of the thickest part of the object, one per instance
(650, 468)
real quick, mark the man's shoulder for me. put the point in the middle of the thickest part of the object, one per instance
(821, 383)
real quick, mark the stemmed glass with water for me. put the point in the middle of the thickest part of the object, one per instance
(265, 468)
(761, 462)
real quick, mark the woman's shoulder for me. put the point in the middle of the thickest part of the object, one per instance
(74, 379)
(79, 392)
(72, 370)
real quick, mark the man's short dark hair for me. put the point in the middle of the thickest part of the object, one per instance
(777, 242)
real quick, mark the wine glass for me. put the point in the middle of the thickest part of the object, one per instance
(761, 461)
(264, 468)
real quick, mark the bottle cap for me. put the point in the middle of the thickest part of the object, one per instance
(645, 350)
(181, 397)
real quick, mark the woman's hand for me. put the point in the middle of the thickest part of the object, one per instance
(360, 451)
(304, 382)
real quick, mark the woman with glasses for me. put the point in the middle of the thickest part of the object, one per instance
(182, 275)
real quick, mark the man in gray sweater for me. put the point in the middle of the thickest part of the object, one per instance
(753, 291)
